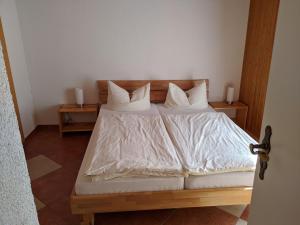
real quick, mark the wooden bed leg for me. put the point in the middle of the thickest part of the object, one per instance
(88, 219)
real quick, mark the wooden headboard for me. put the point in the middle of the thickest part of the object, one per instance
(159, 88)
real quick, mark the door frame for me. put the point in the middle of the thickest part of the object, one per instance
(10, 80)
(262, 21)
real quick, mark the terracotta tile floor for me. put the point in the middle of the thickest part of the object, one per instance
(52, 190)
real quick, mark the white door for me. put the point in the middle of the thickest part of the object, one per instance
(276, 199)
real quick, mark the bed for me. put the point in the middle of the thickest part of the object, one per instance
(146, 193)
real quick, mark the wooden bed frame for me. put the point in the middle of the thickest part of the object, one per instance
(88, 205)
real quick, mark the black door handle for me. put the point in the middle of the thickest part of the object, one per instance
(263, 151)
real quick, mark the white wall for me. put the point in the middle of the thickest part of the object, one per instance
(70, 43)
(11, 27)
(16, 199)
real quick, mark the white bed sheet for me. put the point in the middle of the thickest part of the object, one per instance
(208, 142)
(129, 144)
(86, 186)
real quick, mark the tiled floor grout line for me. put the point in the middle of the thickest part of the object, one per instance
(168, 217)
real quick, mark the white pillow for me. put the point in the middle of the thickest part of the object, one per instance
(197, 96)
(118, 98)
(176, 97)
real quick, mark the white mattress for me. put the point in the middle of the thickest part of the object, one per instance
(84, 184)
(233, 179)
(208, 142)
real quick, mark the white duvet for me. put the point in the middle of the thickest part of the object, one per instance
(125, 144)
(208, 142)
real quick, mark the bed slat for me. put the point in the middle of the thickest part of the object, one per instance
(82, 204)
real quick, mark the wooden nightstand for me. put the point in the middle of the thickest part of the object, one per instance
(76, 126)
(241, 111)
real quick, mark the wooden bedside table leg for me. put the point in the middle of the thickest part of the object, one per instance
(88, 219)
(241, 117)
(60, 123)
